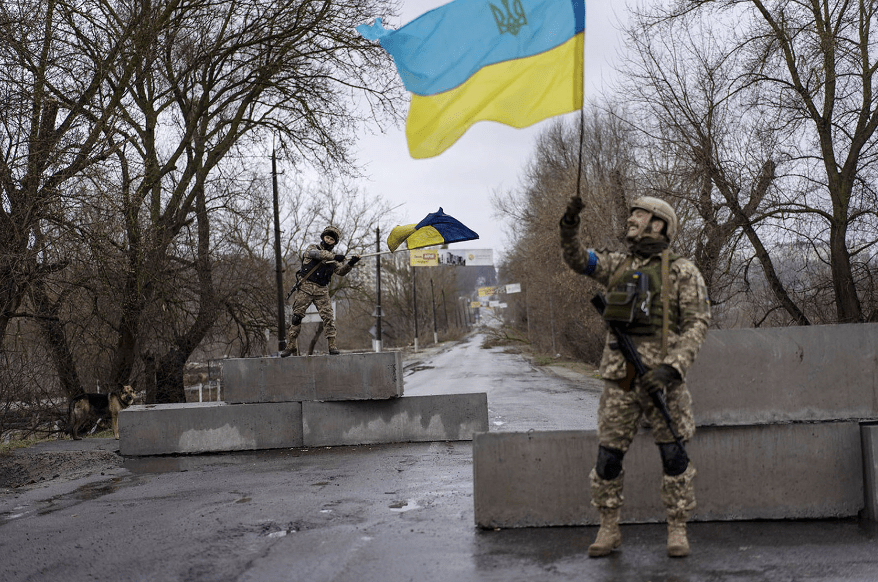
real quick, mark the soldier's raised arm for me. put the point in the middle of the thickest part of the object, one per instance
(597, 264)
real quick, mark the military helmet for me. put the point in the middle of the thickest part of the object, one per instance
(660, 209)
(332, 231)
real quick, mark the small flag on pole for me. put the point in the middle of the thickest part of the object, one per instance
(437, 228)
(516, 62)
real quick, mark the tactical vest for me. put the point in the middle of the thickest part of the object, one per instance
(634, 298)
(321, 274)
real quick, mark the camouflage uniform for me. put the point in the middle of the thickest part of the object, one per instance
(316, 290)
(620, 409)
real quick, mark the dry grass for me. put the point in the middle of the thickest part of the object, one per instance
(7, 447)
(516, 343)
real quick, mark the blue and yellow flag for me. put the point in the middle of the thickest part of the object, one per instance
(437, 228)
(512, 61)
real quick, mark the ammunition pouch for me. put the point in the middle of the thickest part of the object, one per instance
(634, 304)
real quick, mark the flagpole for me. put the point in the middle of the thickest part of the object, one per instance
(433, 301)
(377, 291)
(581, 113)
(375, 254)
(415, 302)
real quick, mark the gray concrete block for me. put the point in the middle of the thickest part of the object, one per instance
(869, 436)
(533, 479)
(766, 375)
(207, 427)
(365, 376)
(449, 417)
(789, 471)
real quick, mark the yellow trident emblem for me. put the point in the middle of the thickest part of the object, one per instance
(512, 20)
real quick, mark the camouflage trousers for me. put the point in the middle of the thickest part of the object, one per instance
(307, 294)
(619, 415)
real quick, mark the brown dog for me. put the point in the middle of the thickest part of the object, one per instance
(91, 407)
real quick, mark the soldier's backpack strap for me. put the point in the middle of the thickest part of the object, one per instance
(614, 278)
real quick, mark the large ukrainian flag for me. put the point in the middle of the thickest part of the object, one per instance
(512, 61)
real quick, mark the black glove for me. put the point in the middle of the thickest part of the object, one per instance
(574, 207)
(660, 378)
(354, 260)
(339, 258)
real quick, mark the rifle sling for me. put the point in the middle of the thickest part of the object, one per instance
(303, 279)
(630, 373)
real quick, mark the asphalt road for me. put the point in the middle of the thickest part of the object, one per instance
(382, 513)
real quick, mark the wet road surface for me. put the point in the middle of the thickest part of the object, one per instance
(382, 513)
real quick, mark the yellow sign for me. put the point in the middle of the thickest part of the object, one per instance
(424, 258)
(486, 291)
(475, 304)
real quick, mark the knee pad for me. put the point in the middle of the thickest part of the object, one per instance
(674, 459)
(296, 319)
(609, 464)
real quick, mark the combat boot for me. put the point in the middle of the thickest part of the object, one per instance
(292, 350)
(678, 543)
(333, 349)
(609, 536)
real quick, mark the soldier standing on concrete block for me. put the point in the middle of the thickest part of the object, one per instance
(319, 263)
(659, 300)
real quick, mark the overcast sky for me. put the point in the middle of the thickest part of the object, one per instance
(489, 157)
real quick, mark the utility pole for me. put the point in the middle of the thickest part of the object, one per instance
(415, 303)
(278, 264)
(378, 290)
(433, 301)
(530, 338)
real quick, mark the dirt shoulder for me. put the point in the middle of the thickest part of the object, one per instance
(57, 460)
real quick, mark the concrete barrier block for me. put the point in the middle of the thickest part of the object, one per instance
(161, 429)
(789, 374)
(869, 436)
(449, 417)
(365, 376)
(533, 479)
(789, 471)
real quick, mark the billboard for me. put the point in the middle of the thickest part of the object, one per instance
(452, 257)
(424, 258)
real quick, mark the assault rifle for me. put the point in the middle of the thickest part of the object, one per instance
(629, 351)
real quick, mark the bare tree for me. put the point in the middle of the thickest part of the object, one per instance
(56, 63)
(556, 313)
(705, 148)
(224, 75)
(810, 68)
(168, 103)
